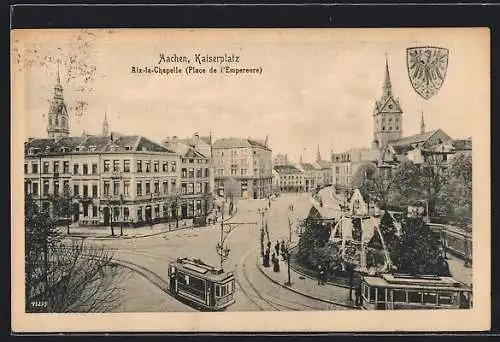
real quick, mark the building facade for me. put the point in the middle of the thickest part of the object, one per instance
(243, 167)
(121, 179)
(287, 178)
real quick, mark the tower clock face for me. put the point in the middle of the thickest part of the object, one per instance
(390, 106)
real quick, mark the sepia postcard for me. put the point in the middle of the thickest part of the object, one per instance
(246, 180)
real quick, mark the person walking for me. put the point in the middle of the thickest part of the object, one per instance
(320, 275)
(276, 264)
(283, 250)
(357, 293)
(277, 247)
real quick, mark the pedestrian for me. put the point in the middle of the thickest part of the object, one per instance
(266, 258)
(283, 249)
(277, 247)
(276, 265)
(357, 293)
(268, 244)
(320, 274)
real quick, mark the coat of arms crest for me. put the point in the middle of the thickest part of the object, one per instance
(427, 69)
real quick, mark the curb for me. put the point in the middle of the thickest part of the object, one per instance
(301, 292)
(118, 237)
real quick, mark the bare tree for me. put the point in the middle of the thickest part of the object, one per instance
(65, 277)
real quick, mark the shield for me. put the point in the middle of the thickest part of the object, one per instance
(427, 69)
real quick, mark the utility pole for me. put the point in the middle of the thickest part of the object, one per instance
(262, 212)
(289, 282)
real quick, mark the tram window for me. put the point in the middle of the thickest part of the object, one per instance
(445, 299)
(414, 297)
(380, 294)
(372, 294)
(366, 291)
(172, 270)
(399, 296)
(186, 279)
(429, 298)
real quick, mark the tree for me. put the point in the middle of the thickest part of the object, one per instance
(315, 236)
(363, 178)
(62, 277)
(62, 207)
(457, 192)
(417, 251)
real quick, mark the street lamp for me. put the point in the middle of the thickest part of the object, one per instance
(121, 211)
(289, 282)
(262, 212)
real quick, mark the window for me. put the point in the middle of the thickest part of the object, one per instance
(126, 213)
(190, 188)
(157, 187)
(148, 188)
(191, 161)
(25, 168)
(148, 166)
(116, 188)
(85, 190)
(116, 213)
(56, 188)
(85, 169)
(164, 166)
(198, 207)
(399, 296)
(191, 173)
(35, 189)
(76, 190)
(184, 173)
(94, 211)
(183, 188)
(106, 188)
(173, 186)
(397, 127)
(383, 128)
(126, 188)
(46, 187)
(198, 188)
(139, 214)
(56, 166)
(94, 169)
(173, 166)
(206, 172)
(156, 166)
(126, 166)
(390, 128)
(157, 210)
(85, 209)
(139, 188)
(45, 167)
(106, 165)
(414, 297)
(66, 186)
(94, 191)
(372, 294)
(34, 168)
(199, 173)
(445, 298)
(65, 166)
(165, 187)
(430, 298)
(116, 166)
(139, 166)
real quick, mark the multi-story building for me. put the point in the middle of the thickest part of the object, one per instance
(324, 172)
(124, 178)
(309, 174)
(287, 178)
(243, 167)
(107, 178)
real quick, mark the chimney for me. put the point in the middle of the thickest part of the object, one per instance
(266, 142)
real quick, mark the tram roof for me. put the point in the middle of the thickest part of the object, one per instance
(198, 267)
(404, 281)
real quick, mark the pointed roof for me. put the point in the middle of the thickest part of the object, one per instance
(387, 102)
(387, 80)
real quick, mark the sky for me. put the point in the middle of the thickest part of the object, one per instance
(318, 86)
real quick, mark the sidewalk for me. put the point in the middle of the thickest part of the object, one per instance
(128, 232)
(308, 287)
(458, 270)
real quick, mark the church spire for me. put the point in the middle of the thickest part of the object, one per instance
(318, 154)
(387, 88)
(105, 126)
(422, 123)
(58, 119)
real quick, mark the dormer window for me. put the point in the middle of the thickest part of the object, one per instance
(112, 147)
(32, 150)
(144, 148)
(79, 148)
(127, 148)
(92, 148)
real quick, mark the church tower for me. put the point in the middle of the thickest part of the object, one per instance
(387, 115)
(318, 154)
(422, 124)
(105, 125)
(58, 125)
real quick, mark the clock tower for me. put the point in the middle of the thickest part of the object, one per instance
(58, 125)
(387, 115)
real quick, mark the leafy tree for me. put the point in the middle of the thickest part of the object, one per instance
(417, 251)
(313, 239)
(62, 207)
(457, 192)
(363, 178)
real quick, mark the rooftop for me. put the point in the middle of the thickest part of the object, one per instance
(286, 169)
(239, 143)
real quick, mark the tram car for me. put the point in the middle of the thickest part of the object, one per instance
(203, 286)
(403, 291)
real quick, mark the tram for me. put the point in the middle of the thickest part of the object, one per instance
(201, 285)
(403, 291)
